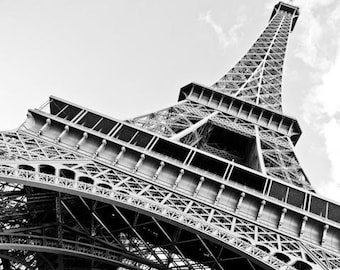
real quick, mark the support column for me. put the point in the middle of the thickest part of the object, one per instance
(259, 150)
(194, 127)
(60, 259)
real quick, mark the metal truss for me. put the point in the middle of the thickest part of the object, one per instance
(223, 226)
(28, 148)
(173, 120)
(257, 77)
(276, 150)
(24, 237)
(133, 234)
(280, 160)
(209, 183)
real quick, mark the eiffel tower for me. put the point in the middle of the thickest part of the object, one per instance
(209, 183)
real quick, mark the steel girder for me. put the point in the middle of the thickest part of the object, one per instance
(276, 150)
(130, 192)
(257, 77)
(113, 229)
(46, 238)
(167, 190)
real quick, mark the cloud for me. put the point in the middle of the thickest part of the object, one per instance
(322, 111)
(317, 22)
(225, 38)
(331, 131)
(323, 101)
(321, 108)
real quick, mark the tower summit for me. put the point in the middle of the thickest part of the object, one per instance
(257, 77)
(211, 182)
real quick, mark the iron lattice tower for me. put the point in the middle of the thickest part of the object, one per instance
(209, 183)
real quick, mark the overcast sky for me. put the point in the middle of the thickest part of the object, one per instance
(126, 58)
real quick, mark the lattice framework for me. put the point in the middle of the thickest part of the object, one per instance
(208, 183)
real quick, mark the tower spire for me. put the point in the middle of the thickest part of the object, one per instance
(257, 77)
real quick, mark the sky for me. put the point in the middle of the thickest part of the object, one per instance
(128, 58)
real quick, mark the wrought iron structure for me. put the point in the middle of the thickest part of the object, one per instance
(209, 183)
